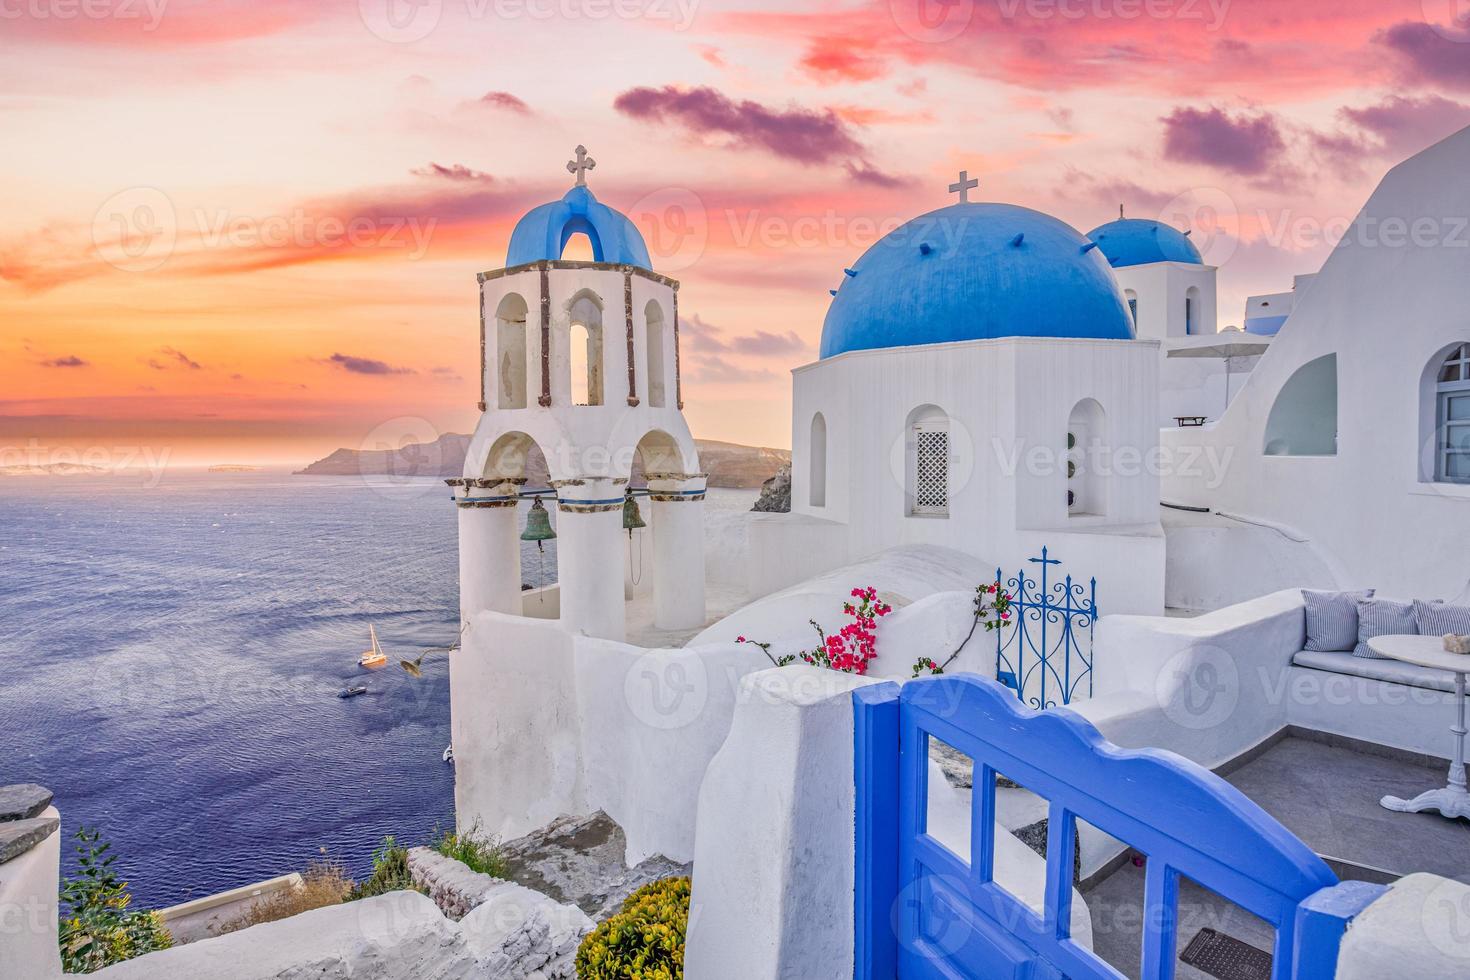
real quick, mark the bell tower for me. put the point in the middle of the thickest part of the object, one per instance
(580, 360)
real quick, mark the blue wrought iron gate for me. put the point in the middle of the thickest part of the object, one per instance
(1046, 655)
(922, 911)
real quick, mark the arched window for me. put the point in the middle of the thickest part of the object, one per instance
(817, 462)
(1191, 310)
(927, 450)
(1303, 419)
(653, 316)
(510, 351)
(1086, 452)
(1451, 408)
(1132, 306)
(580, 245)
(585, 350)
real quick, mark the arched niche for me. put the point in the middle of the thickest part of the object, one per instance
(1087, 455)
(1303, 419)
(817, 462)
(927, 459)
(511, 351)
(653, 344)
(585, 349)
(1191, 310)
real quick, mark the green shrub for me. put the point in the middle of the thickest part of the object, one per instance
(476, 850)
(390, 872)
(98, 930)
(645, 941)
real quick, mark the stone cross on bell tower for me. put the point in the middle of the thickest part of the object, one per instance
(963, 185)
(581, 165)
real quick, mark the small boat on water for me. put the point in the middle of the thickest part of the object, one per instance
(352, 691)
(374, 655)
(448, 753)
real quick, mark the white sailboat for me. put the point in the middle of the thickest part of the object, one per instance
(373, 657)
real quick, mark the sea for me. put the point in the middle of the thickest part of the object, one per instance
(171, 649)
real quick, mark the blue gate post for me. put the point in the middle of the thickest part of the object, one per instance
(875, 805)
(1322, 920)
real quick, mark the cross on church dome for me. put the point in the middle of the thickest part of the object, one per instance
(581, 165)
(962, 187)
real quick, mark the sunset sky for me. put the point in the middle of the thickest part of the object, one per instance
(248, 230)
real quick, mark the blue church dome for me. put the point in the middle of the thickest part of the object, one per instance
(975, 272)
(1137, 241)
(544, 231)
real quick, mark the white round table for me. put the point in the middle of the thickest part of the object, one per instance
(1451, 800)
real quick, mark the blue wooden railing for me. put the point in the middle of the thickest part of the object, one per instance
(1046, 654)
(923, 911)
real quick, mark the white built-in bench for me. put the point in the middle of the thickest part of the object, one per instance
(1389, 671)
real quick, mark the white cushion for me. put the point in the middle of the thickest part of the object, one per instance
(1392, 671)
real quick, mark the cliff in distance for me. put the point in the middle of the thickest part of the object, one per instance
(728, 464)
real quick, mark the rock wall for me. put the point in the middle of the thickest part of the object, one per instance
(775, 495)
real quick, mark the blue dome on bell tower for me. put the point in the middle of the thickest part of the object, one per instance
(544, 231)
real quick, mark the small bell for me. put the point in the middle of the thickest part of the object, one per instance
(538, 524)
(631, 518)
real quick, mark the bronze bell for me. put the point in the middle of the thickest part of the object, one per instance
(538, 525)
(631, 517)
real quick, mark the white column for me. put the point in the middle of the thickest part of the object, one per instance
(676, 506)
(489, 550)
(589, 557)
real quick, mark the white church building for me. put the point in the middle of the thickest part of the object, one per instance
(988, 386)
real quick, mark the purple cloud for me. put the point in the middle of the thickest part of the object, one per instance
(1430, 53)
(506, 101)
(762, 343)
(365, 365)
(1242, 145)
(69, 361)
(1404, 126)
(457, 171)
(807, 136)
(180, 357)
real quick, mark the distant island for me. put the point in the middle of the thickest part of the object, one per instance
(728, 464)
(53, 469)
(233, 468)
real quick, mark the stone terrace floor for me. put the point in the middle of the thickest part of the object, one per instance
(1326, 791)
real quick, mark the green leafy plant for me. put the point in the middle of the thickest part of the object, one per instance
(390, 872)
(992, 610)
(476, 850)
(98, 929)
(645, 941)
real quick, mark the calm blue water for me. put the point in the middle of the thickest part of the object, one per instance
(169, 659)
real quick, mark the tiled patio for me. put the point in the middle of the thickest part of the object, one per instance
(1325, 790)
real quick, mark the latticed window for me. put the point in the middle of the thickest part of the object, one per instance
(1453, 417)
(931, 468)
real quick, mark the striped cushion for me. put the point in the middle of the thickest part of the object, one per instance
(1332, 619)
(1382, 617)
(1438, 618)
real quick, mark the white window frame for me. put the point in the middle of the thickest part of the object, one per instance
(1446, 430)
